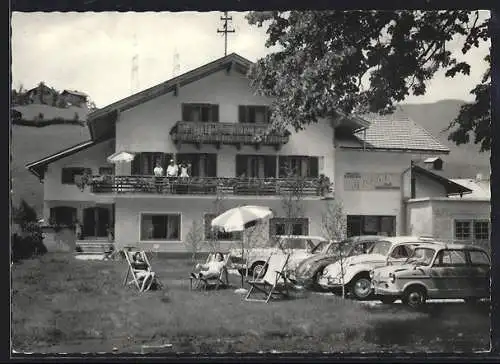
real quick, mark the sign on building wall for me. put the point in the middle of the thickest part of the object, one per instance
(369, 181)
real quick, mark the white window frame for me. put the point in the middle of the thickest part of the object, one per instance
(472, 230)
(161, 213)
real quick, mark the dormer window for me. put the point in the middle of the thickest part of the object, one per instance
(254, 114)
(200, 112)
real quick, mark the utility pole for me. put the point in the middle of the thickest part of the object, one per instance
(225, 30)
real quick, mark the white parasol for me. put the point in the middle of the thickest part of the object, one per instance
(121, 157)
(236, 219)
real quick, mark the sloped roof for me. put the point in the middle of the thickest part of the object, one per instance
(452, 187)
(480, 189)
(74, 92)
(399, 133)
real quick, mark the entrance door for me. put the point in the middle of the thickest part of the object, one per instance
(96, 221)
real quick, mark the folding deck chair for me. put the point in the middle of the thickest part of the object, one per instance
(149, 277)
(211, 281)
(274, 282)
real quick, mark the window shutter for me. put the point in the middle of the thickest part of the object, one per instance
(241, 114)
(136, 164)
(272, 227)
(268, 114)
(211, 169)
(313, 167)
(215, 113)
(269, 166)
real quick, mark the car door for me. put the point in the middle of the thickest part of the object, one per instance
(480, 266)
(451, 274)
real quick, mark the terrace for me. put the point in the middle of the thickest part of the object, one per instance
(218, 133)
(242, 186)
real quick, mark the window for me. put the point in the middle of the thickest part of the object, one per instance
(69, 173)
(479, 258)
(209, 234)
(481, 230)
(105, 171)
(358, 225)
(472, 230)
(200, 112)
(259, 166)
(160, 226)
(401, 252)
(202, 164)
(62, 215)
(299, 166)
(446, 258)
(145, 162)
(288, 226)
(253, 114)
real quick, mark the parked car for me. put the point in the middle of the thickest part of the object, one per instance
(310, 269)
(299, 246)
(356, 269)
(456, 271)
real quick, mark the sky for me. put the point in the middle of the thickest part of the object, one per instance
(92, 52)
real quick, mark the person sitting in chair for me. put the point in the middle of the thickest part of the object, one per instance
(142, 271)
(212, 269)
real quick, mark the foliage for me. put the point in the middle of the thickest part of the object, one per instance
(334, 226)
(194, 238)
(366, 61)
(291, 194)
(24, 214)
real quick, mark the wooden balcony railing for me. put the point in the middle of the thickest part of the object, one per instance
(226, 133)
(209, 185)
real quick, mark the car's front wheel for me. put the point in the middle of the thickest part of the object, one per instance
(414, 297)
(361, 287)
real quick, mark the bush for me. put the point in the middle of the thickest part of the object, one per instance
(25, 247)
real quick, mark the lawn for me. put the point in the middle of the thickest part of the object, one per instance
(61, 304)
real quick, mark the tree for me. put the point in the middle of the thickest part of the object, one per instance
(194, 238)
(366, 61)
(24, 214)
(334, 226)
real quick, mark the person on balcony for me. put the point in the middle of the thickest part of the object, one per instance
(184, 170)
(172, 169)
(158, 172)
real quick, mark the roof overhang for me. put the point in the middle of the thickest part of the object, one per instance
(452, 188)
(352, 123)
(397, 150)
(39, 167)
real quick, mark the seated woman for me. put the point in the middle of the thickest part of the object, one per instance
(142, 271)
(212, 269)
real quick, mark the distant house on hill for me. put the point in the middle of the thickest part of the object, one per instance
(42, 94)
(74, 98)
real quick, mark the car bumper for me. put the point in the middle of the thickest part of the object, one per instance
(382, 288)
(328, 283)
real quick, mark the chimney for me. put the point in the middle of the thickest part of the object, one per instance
(434, 163)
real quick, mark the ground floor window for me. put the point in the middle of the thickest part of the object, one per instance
(472, 230)
(209, 234)
(62, 215)
(160, 226)
(288, 226)
(371, 225)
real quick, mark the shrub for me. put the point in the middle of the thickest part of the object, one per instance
(30, 242)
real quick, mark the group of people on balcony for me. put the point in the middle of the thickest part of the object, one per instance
(174, 170)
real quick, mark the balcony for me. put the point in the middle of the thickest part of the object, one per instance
(235, 186)
(217, 133)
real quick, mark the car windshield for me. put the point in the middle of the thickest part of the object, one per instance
(421, 256)
(380, 247)
(319, 246)
(345, 246)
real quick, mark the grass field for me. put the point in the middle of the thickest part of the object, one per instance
(61, 304)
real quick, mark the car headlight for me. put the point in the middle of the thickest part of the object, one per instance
(392, 277)
(372, 273)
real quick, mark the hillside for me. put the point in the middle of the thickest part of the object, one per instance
(464, 160)
(30, 144)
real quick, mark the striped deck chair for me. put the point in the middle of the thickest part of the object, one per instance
(273, 283)
(222, 280)
(140, 270)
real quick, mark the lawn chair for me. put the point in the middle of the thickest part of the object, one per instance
(211, 281)
(149, 277)
(274, 281)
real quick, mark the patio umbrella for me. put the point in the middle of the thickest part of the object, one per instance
(121, 157)
(239, 218)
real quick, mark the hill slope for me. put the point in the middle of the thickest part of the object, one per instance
(30, 144)
(464, 160)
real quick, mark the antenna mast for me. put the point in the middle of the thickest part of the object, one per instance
(134, 77)
(225, 30)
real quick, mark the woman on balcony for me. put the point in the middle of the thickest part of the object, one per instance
(158, 172)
